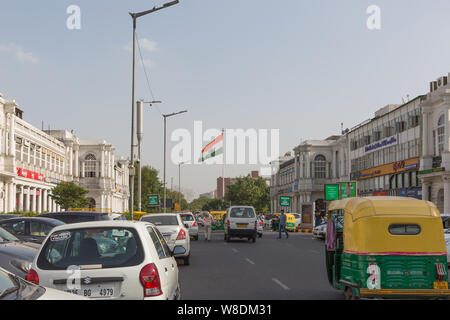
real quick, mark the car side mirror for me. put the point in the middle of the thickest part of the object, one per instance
(178, 250)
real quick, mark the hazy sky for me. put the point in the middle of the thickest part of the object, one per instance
(299, 66)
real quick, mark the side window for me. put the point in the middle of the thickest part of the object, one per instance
(164, 244)
(404, 229)
(16, 228)
(157, 243)
(36, 229)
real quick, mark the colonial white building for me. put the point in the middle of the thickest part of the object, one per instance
(303, 178)
(435, 161)
(33, 161)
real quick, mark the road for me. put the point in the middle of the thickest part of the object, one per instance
(269, 269)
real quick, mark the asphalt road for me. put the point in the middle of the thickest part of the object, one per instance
(269, 269)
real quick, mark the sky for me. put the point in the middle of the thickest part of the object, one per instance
(303, 67)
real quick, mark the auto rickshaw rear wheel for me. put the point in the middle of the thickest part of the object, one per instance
(348, 294)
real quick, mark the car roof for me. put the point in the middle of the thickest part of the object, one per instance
(85, 213)
(41, 219)
(102, 224)
(161, 214)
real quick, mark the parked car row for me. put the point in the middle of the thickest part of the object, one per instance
(116, 259)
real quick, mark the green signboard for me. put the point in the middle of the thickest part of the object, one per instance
(331, 192)
(153, 200)
(285, 201)
(347, 190)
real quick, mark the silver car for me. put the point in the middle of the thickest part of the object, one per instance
(190, 221)
(173, 230)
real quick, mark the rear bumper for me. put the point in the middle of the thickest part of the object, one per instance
(242, 233)
(404, 293)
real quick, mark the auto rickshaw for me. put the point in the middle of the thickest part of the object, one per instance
(290, 222)
(275, 221)
(218, 217)
(386, 247)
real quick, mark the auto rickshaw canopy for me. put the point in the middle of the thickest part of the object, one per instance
(367, 224)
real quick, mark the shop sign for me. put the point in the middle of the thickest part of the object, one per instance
(432, 170)
(30, 174)
(382, 144)
(399, 166)
(411, 193)
(285, 201)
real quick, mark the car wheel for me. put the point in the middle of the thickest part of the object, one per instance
(348, 294)
(196, 238)
(254, 239)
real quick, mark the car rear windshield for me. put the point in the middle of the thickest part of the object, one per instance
(162, 220)
(100, 247)
(242, 213)
(187, 217)
(5, 236)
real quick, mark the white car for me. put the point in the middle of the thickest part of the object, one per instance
(108, 260)
(190, 221)
(13, 287)
(174, 231)
(320, 231)
(240, 222)
(447, 244)
(260, 227)
(298, 220)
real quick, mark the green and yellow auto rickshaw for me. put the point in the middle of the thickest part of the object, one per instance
(386, 247)
(218, 219)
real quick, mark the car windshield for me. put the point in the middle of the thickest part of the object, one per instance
(187, 217)
(101, 247)
(242, 213)
(162, 220)
(5, 236)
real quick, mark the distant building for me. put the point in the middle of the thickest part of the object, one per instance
(209, 195)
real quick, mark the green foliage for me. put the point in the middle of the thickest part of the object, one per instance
(69, 195)
(247, 191)
(207, 204)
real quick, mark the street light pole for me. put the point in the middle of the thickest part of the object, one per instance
(135, 16)
(165, 116)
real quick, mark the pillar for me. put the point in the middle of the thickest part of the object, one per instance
(102, 165)
(446, 194)
(33, 200)
(27, 199)
(44, 201)
(39, 200)
(20, 207)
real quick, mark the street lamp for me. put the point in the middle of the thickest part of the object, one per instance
(140, 137)
(135, 16)
(165, 116)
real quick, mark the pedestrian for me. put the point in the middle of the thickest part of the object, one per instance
(207, 226)
(282, 225)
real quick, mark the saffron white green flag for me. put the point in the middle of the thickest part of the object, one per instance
(213, 149)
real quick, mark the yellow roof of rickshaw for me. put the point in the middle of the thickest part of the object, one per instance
(389, 206)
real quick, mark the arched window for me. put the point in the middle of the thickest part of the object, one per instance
(90, 166)
(440, 135)
(320, 167)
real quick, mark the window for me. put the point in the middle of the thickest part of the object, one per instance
(40, 229)
(26, 154)
(242, 213)
(162, 220)
(16, 228)
(440, 135)
(320, 167)
(158, 242)
(108, 247)
(404, 229)
(90, 166)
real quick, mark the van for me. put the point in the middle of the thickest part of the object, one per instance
(240, 222)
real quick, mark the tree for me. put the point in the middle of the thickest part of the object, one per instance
(247, 191)
(69, 195)
(150, 185)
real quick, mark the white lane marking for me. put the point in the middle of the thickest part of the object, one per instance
(234, 250)
(250, 261)
(285, 287)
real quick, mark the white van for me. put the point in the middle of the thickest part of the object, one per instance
(241, 222)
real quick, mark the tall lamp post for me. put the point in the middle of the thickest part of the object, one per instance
(135, 16)
(179, 181)
(165, 116)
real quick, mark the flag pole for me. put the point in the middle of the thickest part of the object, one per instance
(223, 166)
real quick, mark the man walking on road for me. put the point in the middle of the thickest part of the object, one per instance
(282, 226)
(207, 223)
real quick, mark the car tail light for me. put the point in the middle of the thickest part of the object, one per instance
(228, 223)
(32, 277)
(256, 224)
(440, 272)
(260, 223)
(181, 235)
(149, 277)
(195, 223)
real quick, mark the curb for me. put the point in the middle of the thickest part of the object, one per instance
(305, 230)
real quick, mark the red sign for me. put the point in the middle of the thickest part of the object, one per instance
(30, 174)
(380, 193)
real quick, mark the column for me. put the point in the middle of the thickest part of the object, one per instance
(102, 165)
(77, 169)
(308, 166)
(33, 200)
(301, 166)
(425, 141)
(71, 173)
(44, 201)
(20, 206)
(12, 142)
(334, 165)
(446, 193)
(27, 199)
(296, 167)
(39, 200)
(83, 173)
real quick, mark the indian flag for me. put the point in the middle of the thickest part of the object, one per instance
(213, 149)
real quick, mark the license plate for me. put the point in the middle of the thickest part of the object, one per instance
(97, 291)
(440, 285)
(242, 225)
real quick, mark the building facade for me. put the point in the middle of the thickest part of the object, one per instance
(33, 162)
(303, 177)
(385, 152)
(435, 161)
